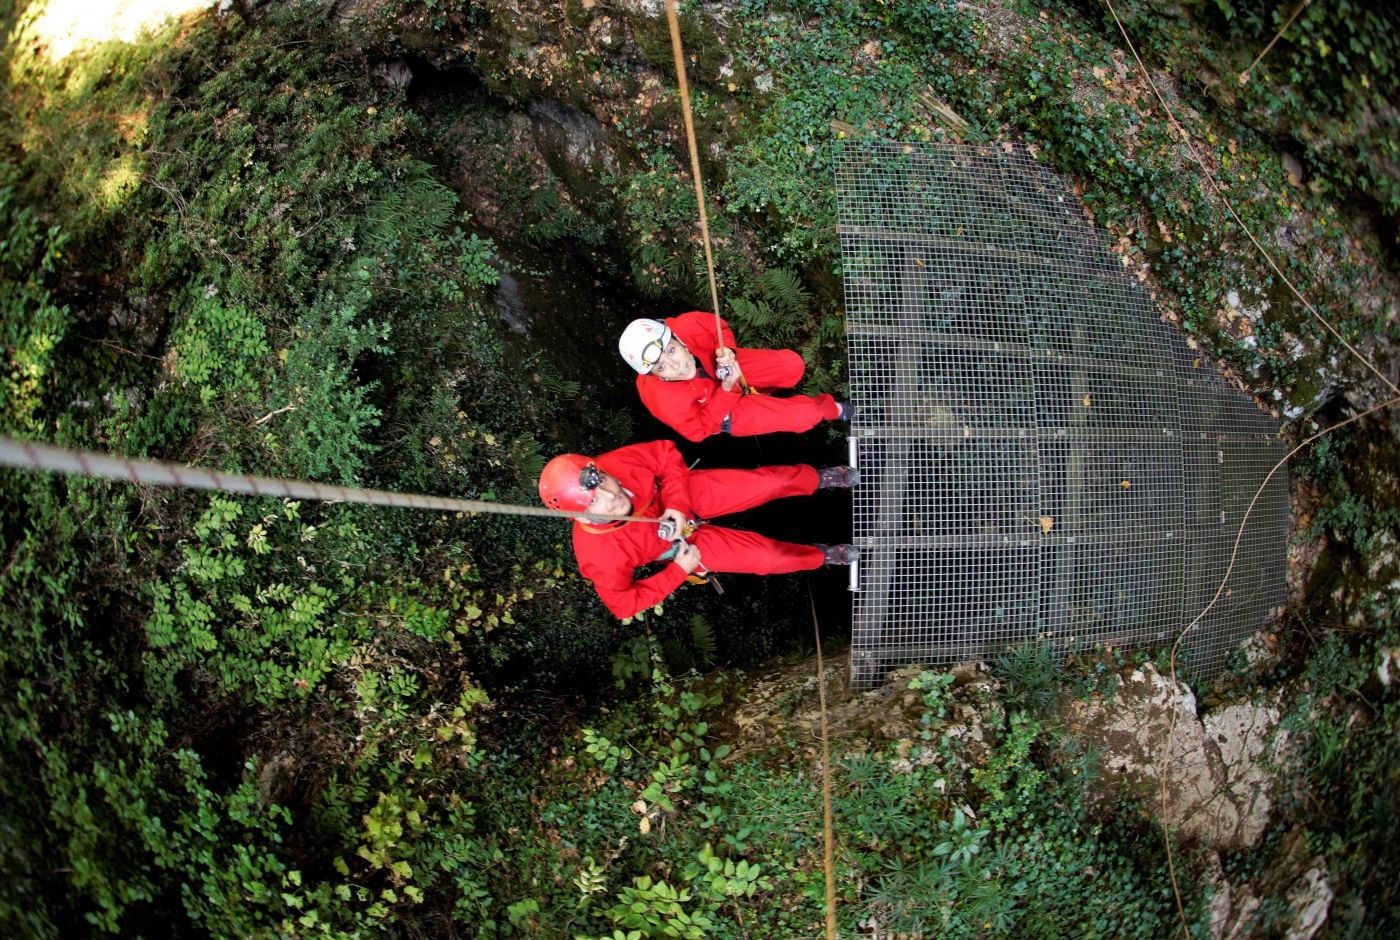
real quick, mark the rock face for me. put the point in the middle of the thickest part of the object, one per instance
(780, 710)
(1219, 783)
(571, 137)
(508, 302)
(1220, 780)
(575, 146)
(1296, 877)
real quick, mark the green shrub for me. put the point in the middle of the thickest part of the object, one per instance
(32, 323)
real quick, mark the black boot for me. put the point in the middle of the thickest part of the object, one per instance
(837, 478)
(839, 554)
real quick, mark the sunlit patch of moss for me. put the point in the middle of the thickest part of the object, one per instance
(118, 182)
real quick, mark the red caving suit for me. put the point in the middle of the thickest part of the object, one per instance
(697, 407)
(608, 554)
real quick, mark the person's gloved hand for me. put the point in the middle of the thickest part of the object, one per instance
(727, 368)
(688, 557)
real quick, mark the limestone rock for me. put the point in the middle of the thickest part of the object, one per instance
(1310, 899)
(1232, 907)
(564, 133)
(1219, 784)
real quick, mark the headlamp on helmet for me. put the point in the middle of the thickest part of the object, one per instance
(643, 343)
(568, 481)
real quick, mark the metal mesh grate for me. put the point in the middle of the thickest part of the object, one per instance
(1009, 376)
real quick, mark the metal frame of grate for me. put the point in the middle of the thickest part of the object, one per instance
(1041, 457)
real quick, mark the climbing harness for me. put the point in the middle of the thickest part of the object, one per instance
(668, 532)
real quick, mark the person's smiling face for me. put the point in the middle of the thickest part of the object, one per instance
(677, 364)
(609, 498)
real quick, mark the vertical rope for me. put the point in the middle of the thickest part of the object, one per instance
(674, 23)
(828, 847)
(1165, 761)
(1244, 76)
(1230, 208)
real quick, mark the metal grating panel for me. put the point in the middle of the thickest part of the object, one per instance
(1005, 367)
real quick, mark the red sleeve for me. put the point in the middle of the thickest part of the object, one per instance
(697, 330)
(626, 597)
(674, 404)
(727, 333)
(666, 462)
(611, 572)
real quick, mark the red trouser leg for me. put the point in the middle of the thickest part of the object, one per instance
(751, 553)
(771, 368)
(721, 492)
(763, 414)
(716, 493)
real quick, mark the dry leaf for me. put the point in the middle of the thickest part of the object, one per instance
(1125, 484)
(1088, 401)
(1046, 524)
(1233, 146)
(644, 824)
(640, 807)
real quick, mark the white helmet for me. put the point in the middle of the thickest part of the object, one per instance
(643, 342)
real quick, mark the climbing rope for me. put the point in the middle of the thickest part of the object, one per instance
(1244, 76)
(1164, 776)
(33, 456)
(1229, 207)
(678, 53)
(828, 847)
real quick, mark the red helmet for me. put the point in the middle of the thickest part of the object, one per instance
(562, 483)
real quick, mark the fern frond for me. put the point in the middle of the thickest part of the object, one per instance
(783, 289)
(750, 313)
(831, 327)
(556, 384)
(619, 427)
(677, 656)
(419, 208)
(529, 459)
(702, 637)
